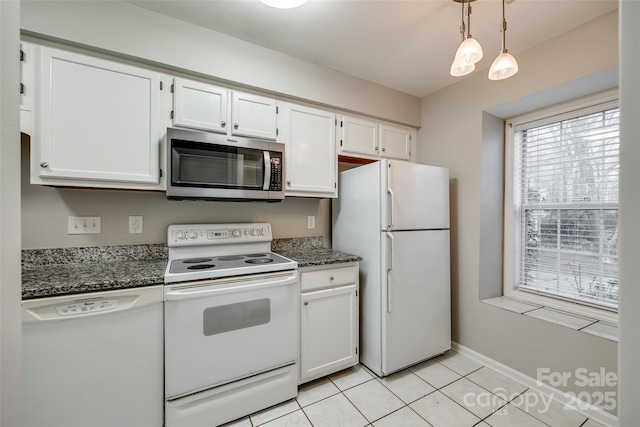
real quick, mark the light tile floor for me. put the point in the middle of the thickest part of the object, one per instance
(451, 390)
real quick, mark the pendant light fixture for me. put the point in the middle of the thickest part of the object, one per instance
(505, 65)
(459, 67)
(469, 52)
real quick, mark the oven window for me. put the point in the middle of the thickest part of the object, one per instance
(218, 166)
(231, 317)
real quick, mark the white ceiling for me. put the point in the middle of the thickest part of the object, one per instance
(405, 45)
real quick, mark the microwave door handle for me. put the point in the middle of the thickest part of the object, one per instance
(267, 170)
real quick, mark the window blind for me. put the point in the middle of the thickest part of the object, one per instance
(566, 193)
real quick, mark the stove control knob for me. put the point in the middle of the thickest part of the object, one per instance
(192, 234)
(253, 231)
(236, 233)
(261, 231)
(180, 235)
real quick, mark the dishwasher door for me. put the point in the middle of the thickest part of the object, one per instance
(94, 360)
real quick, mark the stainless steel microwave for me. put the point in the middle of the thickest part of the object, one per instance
(209, 166)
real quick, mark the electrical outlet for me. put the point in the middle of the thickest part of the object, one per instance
(84, 225)
(311, 222)
(135, 224)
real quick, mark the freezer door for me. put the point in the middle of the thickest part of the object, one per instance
(416, 323)
(415, 196)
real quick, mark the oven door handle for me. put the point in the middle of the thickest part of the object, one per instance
(226, 288)
(267, 170)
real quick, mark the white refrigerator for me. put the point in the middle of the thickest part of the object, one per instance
(395, 215)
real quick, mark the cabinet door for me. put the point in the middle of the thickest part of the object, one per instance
(359, 136)
(200, 105)
(395, 142)
(98, 121)
(328, 331)
(310, 159)
(253, 116)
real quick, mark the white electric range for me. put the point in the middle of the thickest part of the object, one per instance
(230, 323)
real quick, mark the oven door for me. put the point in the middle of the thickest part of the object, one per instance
(218, 331)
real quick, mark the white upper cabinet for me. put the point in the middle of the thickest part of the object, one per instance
(371, 139)
(311, 164)
(200, 105)
(359, 136)
(204, 106)
(254, 116)
(97, 122)
(395, 142)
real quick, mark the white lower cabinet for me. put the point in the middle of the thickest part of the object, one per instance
(329, 325)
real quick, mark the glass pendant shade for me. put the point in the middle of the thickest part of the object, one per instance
(284, 4)
(503, 67)
(469, 51)
(460, 68)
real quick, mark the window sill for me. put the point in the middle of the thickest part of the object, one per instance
(588, 325)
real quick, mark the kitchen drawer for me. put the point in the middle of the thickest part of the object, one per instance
(327, 278)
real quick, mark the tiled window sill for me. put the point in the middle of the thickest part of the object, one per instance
(572, 321)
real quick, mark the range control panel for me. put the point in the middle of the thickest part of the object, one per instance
(213, 234)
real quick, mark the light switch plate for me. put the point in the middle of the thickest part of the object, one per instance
(311, 222)
(84, 225)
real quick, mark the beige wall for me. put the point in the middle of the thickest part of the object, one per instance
(10, 327)
(452, 136)
(629, 348)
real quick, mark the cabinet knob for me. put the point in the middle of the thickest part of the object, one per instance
(383, 149)
(288, 182)
(331, 278)
(235, 126)
(306, 303)
(223, 123)
(376, 148)
(44, 164)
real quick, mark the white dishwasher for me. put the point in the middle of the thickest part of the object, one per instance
(94, 360)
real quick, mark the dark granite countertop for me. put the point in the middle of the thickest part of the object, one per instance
(68, 271)
(318, 256)
(67, 279)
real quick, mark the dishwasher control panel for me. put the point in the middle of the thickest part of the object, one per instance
(86, 307)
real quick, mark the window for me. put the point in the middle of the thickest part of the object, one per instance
(562, 202)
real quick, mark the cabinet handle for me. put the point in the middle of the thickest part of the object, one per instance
(235, 126)
(44, 164)
(306, 303)
(223, 123)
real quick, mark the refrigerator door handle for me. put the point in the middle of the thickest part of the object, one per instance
(390, 192)
(389, 269)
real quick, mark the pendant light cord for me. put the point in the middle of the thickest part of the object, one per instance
(462, 26)
(504, 29)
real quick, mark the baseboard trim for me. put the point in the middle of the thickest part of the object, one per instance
(592, 412)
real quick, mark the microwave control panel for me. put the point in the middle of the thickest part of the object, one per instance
(276, 172)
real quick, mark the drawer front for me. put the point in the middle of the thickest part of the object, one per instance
(328, 278)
